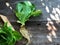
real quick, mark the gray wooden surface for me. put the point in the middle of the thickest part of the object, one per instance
(37, 25)
(50, 9)
(39, 34)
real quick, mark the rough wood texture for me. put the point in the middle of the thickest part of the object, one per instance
(37, 25)
(39, 34)
(50, 9)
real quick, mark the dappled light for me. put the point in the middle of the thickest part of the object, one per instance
(52, 30)
(47, 9)
(43, 4)
(8, 5)
(49, 38)
(47, 28)
(52, 16)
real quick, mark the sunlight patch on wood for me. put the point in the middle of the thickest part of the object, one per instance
(43, 4)
(51, 28)
(41, 0)
(52, 17)
(10, 7)
(49, 21)
(57, 17)
(54, 33)
(58, 10)
(7, 4)
(54, 11)
(47, 9)
(49, 38)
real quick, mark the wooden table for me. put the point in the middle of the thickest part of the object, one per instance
(38, 26)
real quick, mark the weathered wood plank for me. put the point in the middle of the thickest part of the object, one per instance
(50, 10)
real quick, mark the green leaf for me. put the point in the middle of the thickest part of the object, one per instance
(24, 10)
(17, 35)
(36, 13)
(8, 36)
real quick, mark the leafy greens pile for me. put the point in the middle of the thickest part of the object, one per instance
(24, 10)
(8, 36)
